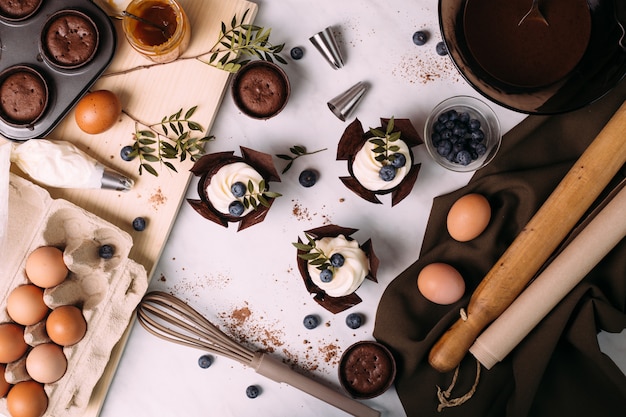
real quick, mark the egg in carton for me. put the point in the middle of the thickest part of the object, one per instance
(106, 290)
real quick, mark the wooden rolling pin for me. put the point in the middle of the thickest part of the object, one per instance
(536, 242)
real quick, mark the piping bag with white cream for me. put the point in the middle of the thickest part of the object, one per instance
(60, 164)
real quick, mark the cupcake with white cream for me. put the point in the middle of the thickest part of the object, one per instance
(380, 161)
(233, 188)
(333, 266)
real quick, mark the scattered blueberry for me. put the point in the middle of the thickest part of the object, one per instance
(296, 52)
(311, 321)
(236, 208)
(387, 173)
(106, 251)
(205, 361)
(326, 275)
(139, 224)
(441, 48)
(457, 137)
(307, 178)
(420, 37)
(238, 189)
(125, 153)
(337, 260)
(252, 391)
(354, 320)
(398, 160)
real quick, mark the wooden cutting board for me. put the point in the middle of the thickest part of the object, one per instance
(149, 95)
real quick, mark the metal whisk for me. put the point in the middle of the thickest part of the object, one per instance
(171, 319)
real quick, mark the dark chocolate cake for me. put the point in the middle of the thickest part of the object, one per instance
(366, 369)
(23, 96)
(70, 39)
(16, 10)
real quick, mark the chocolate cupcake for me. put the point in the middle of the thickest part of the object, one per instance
(380, 161)
(12, 10)
(261, 89)
(333, 266)
(233, 188)
(366, 370)
(23, 96)
(69, 39)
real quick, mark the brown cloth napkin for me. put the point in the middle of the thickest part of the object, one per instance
(558, 370)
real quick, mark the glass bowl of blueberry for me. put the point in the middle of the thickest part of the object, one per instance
(462, 134)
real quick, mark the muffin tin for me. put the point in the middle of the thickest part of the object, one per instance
(21, 45)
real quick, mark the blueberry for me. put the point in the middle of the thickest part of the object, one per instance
(443, 118)
(252, 391)
(238, 189)
(446, 134)
(354, 320)
(481, 149)
(420, 37)
(444, 147)
(453, 115)
(337, 260)
(326, 275)
(474, 124)
(477, 135)
(236, 208)
(205, 361)
(106, 251)
(387, 173)
(311, 321)
(398, 160)
(441, 48)
(296, 52)
(459, 130)
(139, 224)
(463, 157)
(125, 153)
(464, 117)
(307, 178)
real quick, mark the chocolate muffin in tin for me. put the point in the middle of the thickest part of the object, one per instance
(15, 11)
(69, 39)
(24, 95)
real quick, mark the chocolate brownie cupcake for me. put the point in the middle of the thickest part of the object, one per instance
(23, 95)
(261, 89)
(366, 369)
(69, 39)
(18, 10)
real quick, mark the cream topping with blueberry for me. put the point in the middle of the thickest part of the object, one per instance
(225, 188)
(348, 268)
(369, 171)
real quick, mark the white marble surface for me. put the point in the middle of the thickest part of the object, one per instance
(224, 273)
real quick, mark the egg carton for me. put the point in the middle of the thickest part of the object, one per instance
(108, 290)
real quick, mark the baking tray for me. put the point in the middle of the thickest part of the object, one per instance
(20, 46)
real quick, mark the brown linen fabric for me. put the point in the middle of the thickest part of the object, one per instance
(558, 369)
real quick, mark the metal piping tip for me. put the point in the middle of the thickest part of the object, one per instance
(112, 180)
(326, 44)
(344, 104)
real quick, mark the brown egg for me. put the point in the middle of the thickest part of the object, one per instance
(441, 283)
(468, 217)
(4, 385)
(45, 267)
(27, 399)
(25, 305)
(97, 111)
(46, 363)
(66, 325)
(12, 344)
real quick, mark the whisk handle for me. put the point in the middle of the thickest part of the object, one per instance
(277, 371)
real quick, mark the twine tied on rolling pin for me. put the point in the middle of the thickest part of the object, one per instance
(537, 241)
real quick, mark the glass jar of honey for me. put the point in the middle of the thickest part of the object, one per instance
(157, 29)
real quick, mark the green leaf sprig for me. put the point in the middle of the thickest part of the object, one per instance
(312, 254)
(296, 152)
(383, 141)
(242, 39)
(171, 138)
(258, 195)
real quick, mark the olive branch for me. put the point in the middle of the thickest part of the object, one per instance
(384, 142)
(253, 199)
(313, 255)
(297, 151)
(171, 138)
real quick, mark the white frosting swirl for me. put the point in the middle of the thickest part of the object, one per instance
(366, 168)
(346, 278)
(218, 191)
